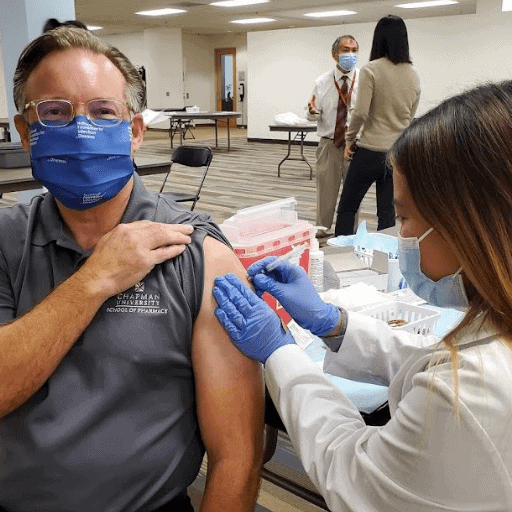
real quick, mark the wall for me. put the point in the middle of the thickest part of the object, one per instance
(159, 51)
(132, 45)
(194, 54)
(199, 65)
(238, 41)
(3, 98)
(449, 53)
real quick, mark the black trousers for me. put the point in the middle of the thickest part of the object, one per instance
(180, 503)
(366, 168)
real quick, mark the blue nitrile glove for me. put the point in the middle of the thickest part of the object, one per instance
(291, 286)
(254, 328)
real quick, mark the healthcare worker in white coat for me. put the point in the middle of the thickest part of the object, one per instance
(448, 444)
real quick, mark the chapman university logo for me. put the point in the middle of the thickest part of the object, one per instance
(136, 301)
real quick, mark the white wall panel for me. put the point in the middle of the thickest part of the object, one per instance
(450, 54)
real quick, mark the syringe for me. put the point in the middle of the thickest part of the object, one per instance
(296, 251)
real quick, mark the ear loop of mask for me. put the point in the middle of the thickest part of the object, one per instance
(422, 237)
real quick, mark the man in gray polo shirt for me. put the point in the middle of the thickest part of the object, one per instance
(114, 374)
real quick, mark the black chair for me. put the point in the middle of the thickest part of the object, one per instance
(189, 156)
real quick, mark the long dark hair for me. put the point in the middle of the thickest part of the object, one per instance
(390, 40)
(457, 162)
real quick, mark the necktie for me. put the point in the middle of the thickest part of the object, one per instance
(341, 114)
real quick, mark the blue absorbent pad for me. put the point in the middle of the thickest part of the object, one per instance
(368, 397)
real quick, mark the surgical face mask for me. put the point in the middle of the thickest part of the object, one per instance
(82, 164)
(448, 292)
(347, 61)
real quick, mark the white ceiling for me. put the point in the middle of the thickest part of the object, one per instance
(118, 16)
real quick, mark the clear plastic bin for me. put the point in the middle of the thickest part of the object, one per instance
(270, 229)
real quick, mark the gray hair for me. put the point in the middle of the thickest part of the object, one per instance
(336, 44)
(64, 38)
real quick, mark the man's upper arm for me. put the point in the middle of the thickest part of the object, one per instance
(229, 386)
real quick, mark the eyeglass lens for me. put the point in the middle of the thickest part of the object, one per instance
(100, 112)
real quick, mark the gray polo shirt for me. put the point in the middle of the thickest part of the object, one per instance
(114, 428)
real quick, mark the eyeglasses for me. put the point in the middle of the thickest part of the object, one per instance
(59, 113)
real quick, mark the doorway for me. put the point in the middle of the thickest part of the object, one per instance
(225, 73)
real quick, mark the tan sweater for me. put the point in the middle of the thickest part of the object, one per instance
(387, 99)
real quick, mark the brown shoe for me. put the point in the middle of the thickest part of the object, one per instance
(320, 234)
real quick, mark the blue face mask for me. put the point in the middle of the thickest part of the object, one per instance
(347, 61)
(448, 292)
(81, 164)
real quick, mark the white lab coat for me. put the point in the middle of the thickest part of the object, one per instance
(423, 459)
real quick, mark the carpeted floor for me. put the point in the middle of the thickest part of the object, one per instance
(246, 176)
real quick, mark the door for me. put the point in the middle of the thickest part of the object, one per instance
(225, 72)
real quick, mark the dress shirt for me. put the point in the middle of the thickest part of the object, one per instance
(326, 96)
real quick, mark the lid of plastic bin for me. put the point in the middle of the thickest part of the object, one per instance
(253, 212)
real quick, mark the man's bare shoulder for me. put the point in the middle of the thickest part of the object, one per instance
(220, 259)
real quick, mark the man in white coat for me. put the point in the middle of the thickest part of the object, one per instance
(334, 94)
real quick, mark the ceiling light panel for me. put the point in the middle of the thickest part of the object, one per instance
(93, 27)
(253, 20)
(238, 3)
(329, 14)
(432, 3)
(160, 12)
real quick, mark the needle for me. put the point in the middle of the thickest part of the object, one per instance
(296, 251)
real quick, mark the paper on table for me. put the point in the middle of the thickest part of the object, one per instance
(289, 118)
(154, 117)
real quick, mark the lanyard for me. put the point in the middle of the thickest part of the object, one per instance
(349, 95)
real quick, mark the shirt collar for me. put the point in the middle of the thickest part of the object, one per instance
(338, 74)
(50, 227)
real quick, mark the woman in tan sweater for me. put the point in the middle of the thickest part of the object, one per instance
(388, 95)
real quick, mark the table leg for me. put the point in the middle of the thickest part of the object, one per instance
(302, 137)
(216, 140)
(287, 155)
(228, 123)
